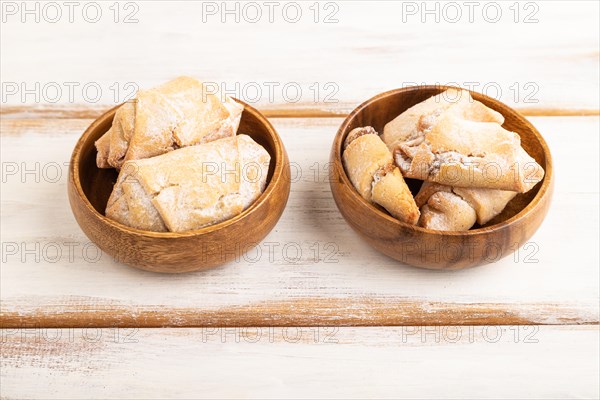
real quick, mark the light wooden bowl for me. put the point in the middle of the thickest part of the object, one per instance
(429, 248)
(89, 188)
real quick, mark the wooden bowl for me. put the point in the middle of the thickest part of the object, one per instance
(89, 188)
(428, 248)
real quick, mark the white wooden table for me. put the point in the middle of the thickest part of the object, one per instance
(314, 311)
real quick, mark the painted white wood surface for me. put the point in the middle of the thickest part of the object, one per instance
(399, 362)
(545, 68)
(553, 280)
(374, 46)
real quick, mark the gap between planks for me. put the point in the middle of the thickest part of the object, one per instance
(300, 110)
(299, 312)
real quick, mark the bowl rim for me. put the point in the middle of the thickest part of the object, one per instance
(497, 106)
(278, 158)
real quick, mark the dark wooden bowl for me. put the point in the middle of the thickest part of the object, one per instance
(89, 188)
(429, 248)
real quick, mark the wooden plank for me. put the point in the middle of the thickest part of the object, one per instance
(395, 362)
(522, 58)
(53, 276)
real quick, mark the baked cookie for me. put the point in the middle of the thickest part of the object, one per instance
(460, 144)
(456, 209)
(370, 167)
(191, 187)
(176, 114)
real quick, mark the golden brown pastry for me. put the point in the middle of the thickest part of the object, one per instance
(460, 144)
(370, 167)
(487, 203)
(176, 114)
(363, 155)
(120, 134)
(458, 102)
(103, 148)
(444, 211)
(456, 209)
(191, 187)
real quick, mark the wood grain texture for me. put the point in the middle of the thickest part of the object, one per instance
(311, 311)
(524, 64)
(337, 279)
(396, 362)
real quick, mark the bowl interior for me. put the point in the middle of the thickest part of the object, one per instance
(381, 109)
(97, 183)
